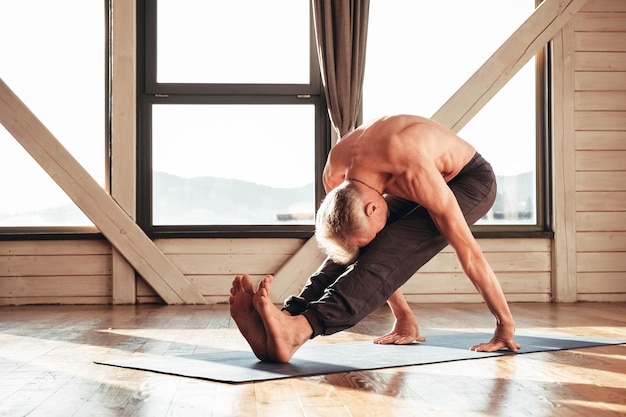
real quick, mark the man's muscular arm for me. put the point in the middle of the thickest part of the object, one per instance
(435, 195)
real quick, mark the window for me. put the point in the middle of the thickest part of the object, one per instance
(233, 119)
(420, 53)
(55, 63)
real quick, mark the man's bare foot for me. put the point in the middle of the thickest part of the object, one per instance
(245, 315)
(285, 334)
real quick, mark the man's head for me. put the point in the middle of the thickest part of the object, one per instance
(348, 219)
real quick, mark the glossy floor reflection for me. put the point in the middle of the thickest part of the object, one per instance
(47, 369)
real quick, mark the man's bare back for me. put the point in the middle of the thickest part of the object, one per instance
(396, 150)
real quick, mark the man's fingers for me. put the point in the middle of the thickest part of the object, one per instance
(398, 339)
(404, 340)
(495, 346)
(513, 347)
(392, 338)
(487, 348)
(477, 348)
(383, 340)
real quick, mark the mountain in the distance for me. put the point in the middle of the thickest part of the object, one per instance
(212, 200)
(223, 201)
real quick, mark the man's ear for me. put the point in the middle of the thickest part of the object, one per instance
(371, 208)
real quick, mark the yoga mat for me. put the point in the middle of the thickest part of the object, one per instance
(243, 366)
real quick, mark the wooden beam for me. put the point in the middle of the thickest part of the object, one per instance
(564, 248)
(123, 135)
(515, 52)
(546, 21)
(114, 223)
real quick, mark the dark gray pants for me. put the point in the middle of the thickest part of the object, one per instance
(337, 297)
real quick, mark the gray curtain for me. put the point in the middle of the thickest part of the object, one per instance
(341, 32)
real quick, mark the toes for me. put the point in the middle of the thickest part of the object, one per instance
(259, 298)
(246, 283)
(263, 292)
(266, 281)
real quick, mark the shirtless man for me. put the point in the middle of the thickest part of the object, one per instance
(399, 190)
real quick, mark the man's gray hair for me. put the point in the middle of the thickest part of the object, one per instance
(339, 220)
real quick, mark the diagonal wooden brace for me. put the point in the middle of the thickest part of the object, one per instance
(120, 230)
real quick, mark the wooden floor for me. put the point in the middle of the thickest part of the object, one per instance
(47, 369)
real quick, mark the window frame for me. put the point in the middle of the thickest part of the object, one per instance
(543, 180)
(152, 92)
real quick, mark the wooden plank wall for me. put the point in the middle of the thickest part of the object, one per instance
(211, 264)
(600, 126)
(80, 272)
(522, 266)
(55, 272)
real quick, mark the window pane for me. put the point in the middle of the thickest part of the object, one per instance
(420, 53)
(60, 77)
(234, 41)
(233, 164)
(504, 133)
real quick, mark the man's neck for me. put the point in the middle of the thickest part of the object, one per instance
(367, 185)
